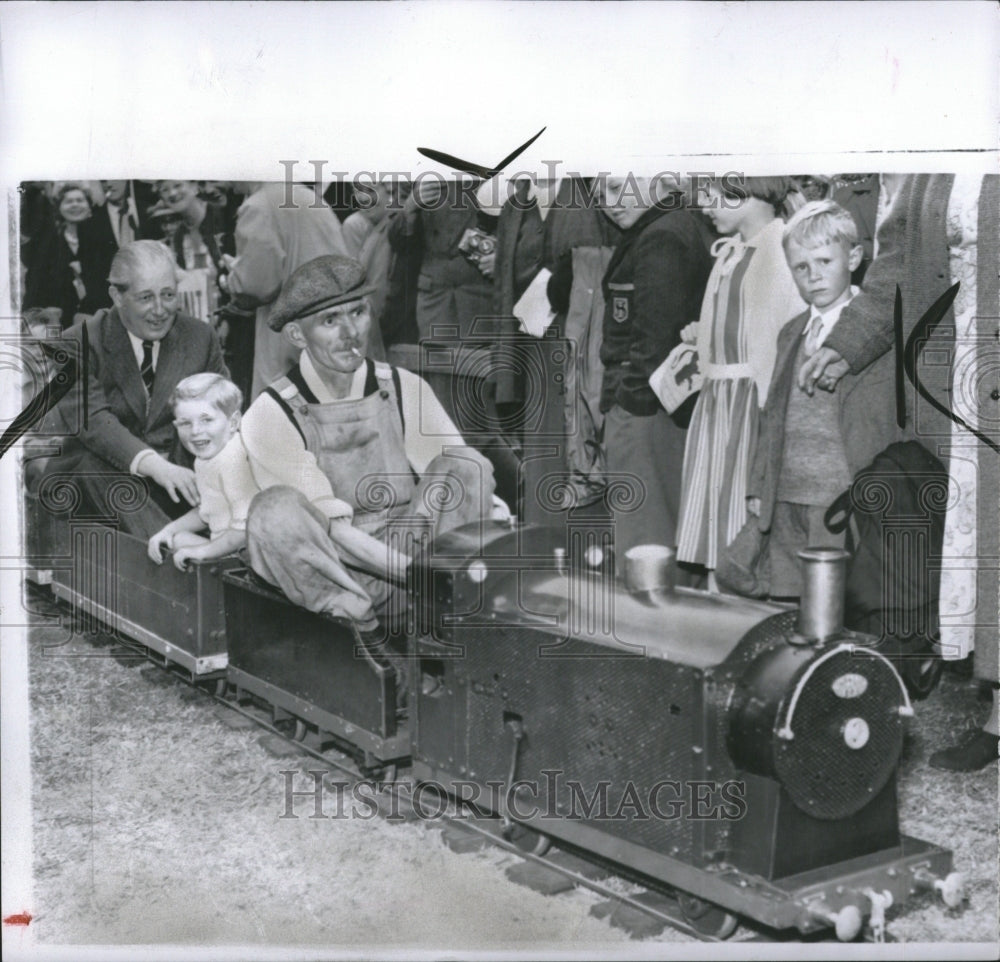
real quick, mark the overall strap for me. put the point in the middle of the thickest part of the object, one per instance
(286, 393)
(380, 371)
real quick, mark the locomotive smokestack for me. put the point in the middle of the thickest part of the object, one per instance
(821, 614)
(650, 569)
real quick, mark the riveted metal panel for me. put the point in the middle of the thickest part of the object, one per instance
(599, 732)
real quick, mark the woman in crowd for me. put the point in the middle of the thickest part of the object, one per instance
(64, 270)
(749, 297)
(200, 241)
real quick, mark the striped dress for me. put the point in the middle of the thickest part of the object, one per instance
(749, 297)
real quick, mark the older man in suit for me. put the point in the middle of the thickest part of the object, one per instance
(117, 420)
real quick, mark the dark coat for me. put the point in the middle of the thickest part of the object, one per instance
(520, 241)
(49, 281)
(861, 199)
(653, 289)
(867, 418)
(451, 290)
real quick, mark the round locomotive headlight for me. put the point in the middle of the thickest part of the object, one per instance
(594, 556)
(856, 733)
(477, 572)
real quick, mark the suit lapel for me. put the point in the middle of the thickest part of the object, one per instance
(784, 382)
(121, 363)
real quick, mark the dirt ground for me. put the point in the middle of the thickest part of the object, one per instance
(155, 821)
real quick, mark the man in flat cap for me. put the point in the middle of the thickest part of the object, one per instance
(348, 450)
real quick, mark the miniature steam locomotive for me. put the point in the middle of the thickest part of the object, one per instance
(742, 753)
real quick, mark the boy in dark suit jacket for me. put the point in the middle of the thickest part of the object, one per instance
(811, 445)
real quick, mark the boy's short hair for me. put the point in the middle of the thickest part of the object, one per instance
(216, 389)
(821, 222)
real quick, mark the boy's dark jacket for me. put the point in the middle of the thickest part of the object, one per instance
(653, 289)
(867, 416)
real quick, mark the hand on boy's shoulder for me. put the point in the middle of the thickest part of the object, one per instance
(823, 370)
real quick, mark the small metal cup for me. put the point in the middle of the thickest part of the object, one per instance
(650, 567)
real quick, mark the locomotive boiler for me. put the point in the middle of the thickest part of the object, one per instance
(740, 752)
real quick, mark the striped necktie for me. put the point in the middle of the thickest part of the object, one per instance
(147, 372)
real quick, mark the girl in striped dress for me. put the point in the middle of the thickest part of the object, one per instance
(749, 297)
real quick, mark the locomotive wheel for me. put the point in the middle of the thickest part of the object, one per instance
(300, 730)
(706, 918)
(528, 840)
(221, 687)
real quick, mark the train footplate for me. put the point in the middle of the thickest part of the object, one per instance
(315, 667)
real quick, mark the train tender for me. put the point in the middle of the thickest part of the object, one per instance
(741, 753)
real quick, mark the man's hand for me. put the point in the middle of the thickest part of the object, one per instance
(425, 194)
(824, 370)
(753, 506)
(486, 263)
(178, 482)
(689, 335)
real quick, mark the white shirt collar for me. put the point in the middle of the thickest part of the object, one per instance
(828, 319)
(137, 349)
(315, 383)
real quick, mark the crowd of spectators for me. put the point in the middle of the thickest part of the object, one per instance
(634, 272)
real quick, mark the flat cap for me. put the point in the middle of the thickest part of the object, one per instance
(318, 284)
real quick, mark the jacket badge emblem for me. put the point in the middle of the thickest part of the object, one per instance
(619, 309)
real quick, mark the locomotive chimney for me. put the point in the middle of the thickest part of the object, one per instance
(650, 569)
(821, 614)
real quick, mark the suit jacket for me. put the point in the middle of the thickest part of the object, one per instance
(451, 290)
(520, 237)
(913, 253)
(120, 421)
(867, 417)
(105, 243)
